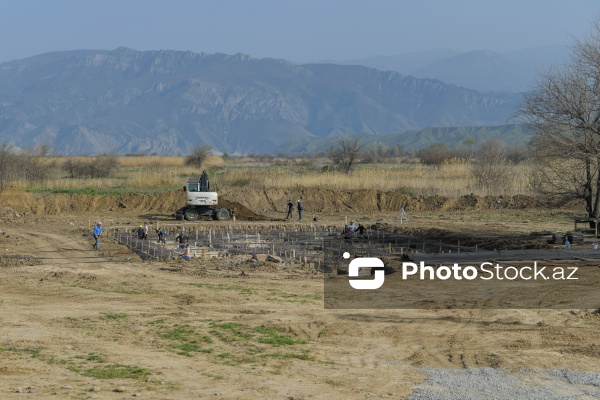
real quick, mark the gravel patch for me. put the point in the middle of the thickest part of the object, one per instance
(500, 384)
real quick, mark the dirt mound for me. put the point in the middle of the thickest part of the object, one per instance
(319, 200)
(250, 204)
(329, 200)
(17, 204)
(241, 212)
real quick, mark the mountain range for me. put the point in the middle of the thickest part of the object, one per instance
(482, 70)
(166, 102)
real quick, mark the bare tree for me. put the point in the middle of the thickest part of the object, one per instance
(29, 166)
(563, 112)
(345, 155)
(104, 165)
(198, 156)
(434, 154)
(492, 169)
(36, 164)
(7, 164)
(96, 167)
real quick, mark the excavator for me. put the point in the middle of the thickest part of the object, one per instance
(201, 202)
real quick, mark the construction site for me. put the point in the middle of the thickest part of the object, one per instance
(304, 244)
(314, 245)
(247, 316)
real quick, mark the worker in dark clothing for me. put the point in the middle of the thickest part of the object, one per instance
(348, 234)
(182, 239)
(361, 229)
(290, 210)
(300, 208)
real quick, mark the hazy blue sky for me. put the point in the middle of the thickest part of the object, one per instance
(299, 30)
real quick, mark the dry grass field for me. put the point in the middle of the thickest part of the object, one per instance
(138, 173)
(78, 324)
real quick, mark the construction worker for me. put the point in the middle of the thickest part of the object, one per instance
(348, 234)
(97, 234)
(290, 210)
(182, 239)
(361, 229)
(186, 254)
(145, 228)
(162, 235)
(300, 208)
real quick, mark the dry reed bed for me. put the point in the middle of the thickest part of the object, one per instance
(149, 174)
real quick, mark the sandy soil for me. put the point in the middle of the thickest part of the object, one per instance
(76, 323)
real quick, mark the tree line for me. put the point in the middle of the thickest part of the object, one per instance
(39, 164)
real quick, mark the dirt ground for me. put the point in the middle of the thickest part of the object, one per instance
(77, 323)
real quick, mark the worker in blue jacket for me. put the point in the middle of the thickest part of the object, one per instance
(97, 234)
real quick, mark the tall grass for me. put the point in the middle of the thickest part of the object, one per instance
(417, 179)
(151, 174)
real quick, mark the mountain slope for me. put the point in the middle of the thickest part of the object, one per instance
(485, 70)
(511, 71)
(404, 63)
(126, 101)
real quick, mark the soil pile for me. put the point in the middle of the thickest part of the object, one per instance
(329, 200)
(17, 204)
(250, 204)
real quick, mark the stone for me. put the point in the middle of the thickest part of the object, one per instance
(242, 257)
(275, 259)
(261, 257)
(120, 389)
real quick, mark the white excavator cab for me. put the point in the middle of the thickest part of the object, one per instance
(197, 197)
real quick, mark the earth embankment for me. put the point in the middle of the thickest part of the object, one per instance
(250, 204)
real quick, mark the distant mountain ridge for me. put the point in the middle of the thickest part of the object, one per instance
(482, 70)
(485, 71)
(166, 102)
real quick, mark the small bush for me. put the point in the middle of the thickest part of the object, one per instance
(492, 169)
(31, 166)
(199, 156)
(346, 154)
(97, 167)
